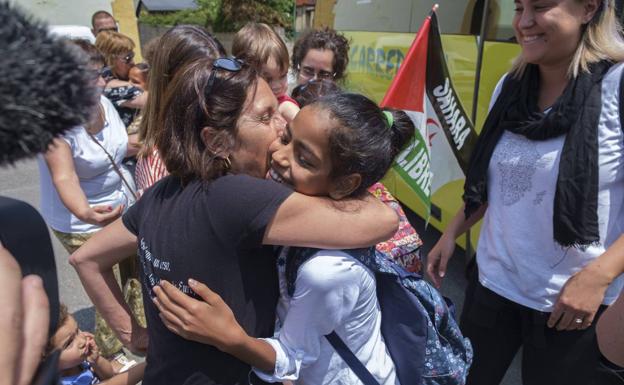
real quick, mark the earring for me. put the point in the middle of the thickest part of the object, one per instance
(228, 163)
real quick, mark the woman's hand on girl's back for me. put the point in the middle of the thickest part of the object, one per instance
(210, 321)
(102, 215)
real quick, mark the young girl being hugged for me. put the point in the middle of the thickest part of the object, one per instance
(338, 146)
(261, 47)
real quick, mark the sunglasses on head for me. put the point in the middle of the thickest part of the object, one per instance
(128, 58)
(223, 63)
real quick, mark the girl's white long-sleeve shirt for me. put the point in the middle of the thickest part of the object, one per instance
(334, 292)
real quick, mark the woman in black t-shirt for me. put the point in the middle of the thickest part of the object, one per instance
(210, 218)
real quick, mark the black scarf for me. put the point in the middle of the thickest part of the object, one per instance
(575, 114)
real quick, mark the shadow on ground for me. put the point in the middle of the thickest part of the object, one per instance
(86, 319)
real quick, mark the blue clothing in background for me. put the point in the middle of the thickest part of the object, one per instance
(86, 377)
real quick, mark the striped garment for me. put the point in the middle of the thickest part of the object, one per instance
(149, 170)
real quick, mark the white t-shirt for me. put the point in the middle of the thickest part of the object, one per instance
(98, 179)
(517, 255)
(334, 292)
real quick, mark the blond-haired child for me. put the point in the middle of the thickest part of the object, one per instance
(261, 47)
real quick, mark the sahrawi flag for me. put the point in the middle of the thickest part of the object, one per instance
(444, 137)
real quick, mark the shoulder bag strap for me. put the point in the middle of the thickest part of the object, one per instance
(112, 161)
(352, 361)
(621, 100)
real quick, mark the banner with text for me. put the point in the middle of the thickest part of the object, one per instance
(444, 136)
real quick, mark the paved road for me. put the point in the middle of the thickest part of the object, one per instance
(21, 181)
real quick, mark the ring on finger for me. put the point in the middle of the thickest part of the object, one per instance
(578, 320)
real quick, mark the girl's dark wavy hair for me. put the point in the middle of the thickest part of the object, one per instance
(188, 107)
(45, 87)
(326, 38)
(312, 90)
(362, 141)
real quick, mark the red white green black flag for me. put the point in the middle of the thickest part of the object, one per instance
(445, 136)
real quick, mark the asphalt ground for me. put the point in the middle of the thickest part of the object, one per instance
(21, 181)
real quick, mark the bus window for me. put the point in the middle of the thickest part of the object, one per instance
(453, 17)
(396, 16)
(372, 15)
(500, 16)
(499, 22)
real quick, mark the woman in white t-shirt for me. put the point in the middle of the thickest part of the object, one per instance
(547, 177)
(81, 190)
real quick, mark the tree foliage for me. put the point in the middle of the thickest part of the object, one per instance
(236, 13)
(227, 15)
(205, 15)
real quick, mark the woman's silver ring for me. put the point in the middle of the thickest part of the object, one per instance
(578, 320)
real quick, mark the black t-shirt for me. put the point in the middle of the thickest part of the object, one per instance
(211, 232)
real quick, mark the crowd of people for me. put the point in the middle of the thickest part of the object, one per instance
(221, 224)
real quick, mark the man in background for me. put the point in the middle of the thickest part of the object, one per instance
(103, 21)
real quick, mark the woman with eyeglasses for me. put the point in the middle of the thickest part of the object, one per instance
(320, 54)
(210, 218)
(81, 188)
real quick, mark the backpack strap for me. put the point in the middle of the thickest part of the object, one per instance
(352, 361)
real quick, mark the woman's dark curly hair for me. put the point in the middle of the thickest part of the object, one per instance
(326, 38)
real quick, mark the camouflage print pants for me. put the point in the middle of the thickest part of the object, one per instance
(126, 273)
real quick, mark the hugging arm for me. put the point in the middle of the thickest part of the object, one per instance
(210, 322)
(137, 102)
(94, 263)
(307, 221)
(321, 300)
(327, 288)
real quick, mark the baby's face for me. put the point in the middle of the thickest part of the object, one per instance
(72, 343)
(276, 77)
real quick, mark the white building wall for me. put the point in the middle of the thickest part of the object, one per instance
(61, 12)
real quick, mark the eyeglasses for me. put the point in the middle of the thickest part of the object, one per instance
(222, 63)
(309, 73)
(128, 58)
